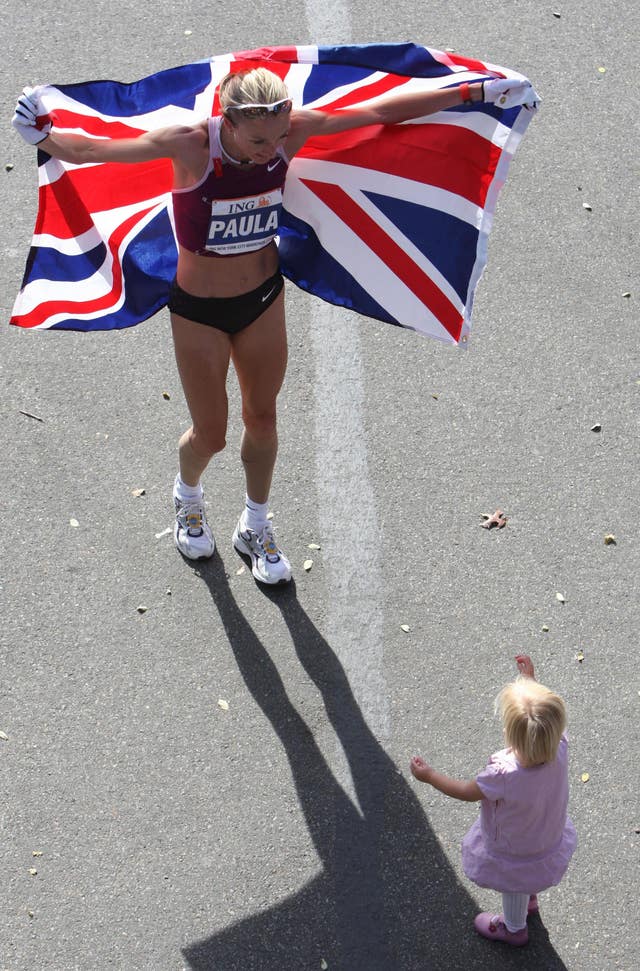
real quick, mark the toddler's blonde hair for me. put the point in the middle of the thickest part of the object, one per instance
(534, 719)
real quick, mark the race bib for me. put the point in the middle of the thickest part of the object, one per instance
(243, 225)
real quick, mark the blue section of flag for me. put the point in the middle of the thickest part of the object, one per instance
(306, 262)
(152, 254)
(449, 243)
(176, 86)
(407, 59)
(47, 264)
(351, 64)
(150, 259)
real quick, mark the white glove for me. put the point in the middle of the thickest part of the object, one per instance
(24, 119)
(508, 93)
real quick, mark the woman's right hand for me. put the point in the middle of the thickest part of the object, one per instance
(25, 118)
(525, 665)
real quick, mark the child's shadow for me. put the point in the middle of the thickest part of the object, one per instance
(387, 898)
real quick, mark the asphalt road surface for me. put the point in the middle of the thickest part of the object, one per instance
(145, 827)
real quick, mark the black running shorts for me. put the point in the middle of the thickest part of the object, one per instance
(229, 314)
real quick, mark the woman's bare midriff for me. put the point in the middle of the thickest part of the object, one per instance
(225, 276)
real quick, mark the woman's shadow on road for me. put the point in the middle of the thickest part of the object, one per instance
(387, 898)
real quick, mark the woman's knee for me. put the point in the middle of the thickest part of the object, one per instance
(206, 441)
(261, 425)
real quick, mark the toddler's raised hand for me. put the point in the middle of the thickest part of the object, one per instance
(419, 769)
(525, 665)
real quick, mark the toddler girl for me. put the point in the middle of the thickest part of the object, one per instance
(523, 840)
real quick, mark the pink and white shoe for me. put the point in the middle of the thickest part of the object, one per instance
(493, 927)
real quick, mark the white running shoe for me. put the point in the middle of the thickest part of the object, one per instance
(268, 563)
(192, 533)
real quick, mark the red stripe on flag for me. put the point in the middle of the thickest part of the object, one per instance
(248, 64)
(93, 125)
(473, 65)
(40, 314)
(445, 156)
(365, 92)
(390, 253)
(65, 206)
(270, 54)
(56, 216)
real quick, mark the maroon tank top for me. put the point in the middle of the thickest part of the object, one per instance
(230, 210)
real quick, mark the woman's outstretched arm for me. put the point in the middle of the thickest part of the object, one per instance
(176, 142)
(395, 108)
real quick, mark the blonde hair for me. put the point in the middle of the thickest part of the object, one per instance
(534, 719)
(257, 86)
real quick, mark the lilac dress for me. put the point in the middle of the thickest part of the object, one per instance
(523, 839)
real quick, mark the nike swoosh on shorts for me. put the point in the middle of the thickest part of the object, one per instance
(270, 168)
(267, 295)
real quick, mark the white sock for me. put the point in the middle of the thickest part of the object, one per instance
(514, 908)
(255, 514)
(186, 492)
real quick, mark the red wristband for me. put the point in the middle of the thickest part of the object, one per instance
(465, 93)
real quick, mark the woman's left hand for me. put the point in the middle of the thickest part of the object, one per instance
(509, 92)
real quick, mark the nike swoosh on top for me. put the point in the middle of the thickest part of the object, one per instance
(270, 168)
(267, 295)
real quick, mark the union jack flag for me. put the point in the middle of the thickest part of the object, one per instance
(390, 221)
